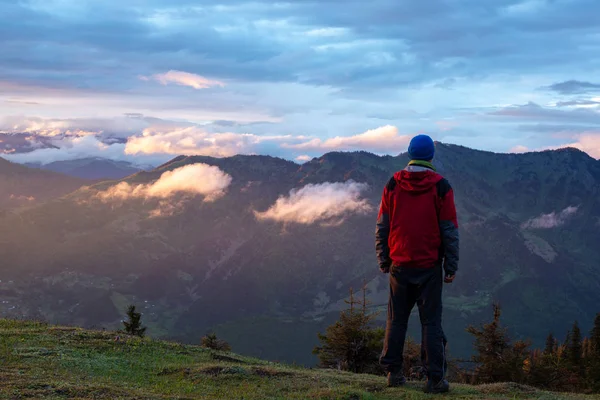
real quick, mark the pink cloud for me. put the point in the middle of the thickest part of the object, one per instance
(303, 158)
(196, 141)
(184, 79)
(519, 149)
(384, 139)
(588, 142)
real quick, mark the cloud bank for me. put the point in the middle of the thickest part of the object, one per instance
(195, 179)
(381, 140)
(323, 69)
(198, 141)
(552, 220)
(326, 203)
(587, 142)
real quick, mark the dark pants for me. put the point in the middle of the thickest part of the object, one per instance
(423, 287)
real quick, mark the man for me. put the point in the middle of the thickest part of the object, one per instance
(417, 236)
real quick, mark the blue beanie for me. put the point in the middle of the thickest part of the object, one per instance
(421, 147)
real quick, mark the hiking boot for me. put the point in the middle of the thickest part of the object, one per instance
(395, 379)
(440, 387)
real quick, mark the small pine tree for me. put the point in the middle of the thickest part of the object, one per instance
(595, 337)
(133, 325)
(498, 359)
(211, 341)
(550, 348)
(413, 360)
(594, 358)
(575, 349)
(586, 349)
(352, 343)
(549, 370)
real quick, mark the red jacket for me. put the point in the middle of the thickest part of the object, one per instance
(417, 224)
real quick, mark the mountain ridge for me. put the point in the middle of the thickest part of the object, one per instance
(93, 168)
(213, 265)
(24, 186)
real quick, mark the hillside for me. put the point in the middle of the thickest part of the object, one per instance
(43, 361)
(23, 186)
(93, 168)
(529, 234)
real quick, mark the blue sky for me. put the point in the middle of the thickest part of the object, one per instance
(147, 80)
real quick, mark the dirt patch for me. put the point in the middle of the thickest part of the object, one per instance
(221, 357)
(216, 371)
(173, 371)
(32, 352)
(269, 372)
(506, 388)
(374, 389)
(41, 390)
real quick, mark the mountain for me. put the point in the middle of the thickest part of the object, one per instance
(529, 235)
(94, 168)
(23, 186)
(67, 363)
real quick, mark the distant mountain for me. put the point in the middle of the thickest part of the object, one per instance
(529, 230)
(91, 168)
(23, 186)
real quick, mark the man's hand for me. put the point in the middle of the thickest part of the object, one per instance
(449, 278)
(385, 268)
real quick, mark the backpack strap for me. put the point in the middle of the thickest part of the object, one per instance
(443, 187)
(391, 185)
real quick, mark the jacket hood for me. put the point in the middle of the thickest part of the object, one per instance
(417, 182)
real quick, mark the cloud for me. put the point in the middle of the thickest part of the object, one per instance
(143, 139)
(316, 68)
(196, 141)
(519, 149)
(564, 130)
(303, 158)
(381, 140)
(587, 142)
(533, 111)
(184, 79)
(119, 126)
(64, 148)
(195, 179)
(326, 203)
(552, 220)
(578, 103)
(574, 87)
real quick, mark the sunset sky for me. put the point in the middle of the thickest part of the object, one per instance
(147, 80)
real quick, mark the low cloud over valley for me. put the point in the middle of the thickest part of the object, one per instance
(552, 220)
(194, 179)
(326, 203)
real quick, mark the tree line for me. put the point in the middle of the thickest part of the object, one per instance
(353, 343)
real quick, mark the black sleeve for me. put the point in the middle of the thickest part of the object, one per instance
(450, 243)
(382, 230)
(448, 227)
(382, 233)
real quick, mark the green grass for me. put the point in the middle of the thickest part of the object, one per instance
(43, 361)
